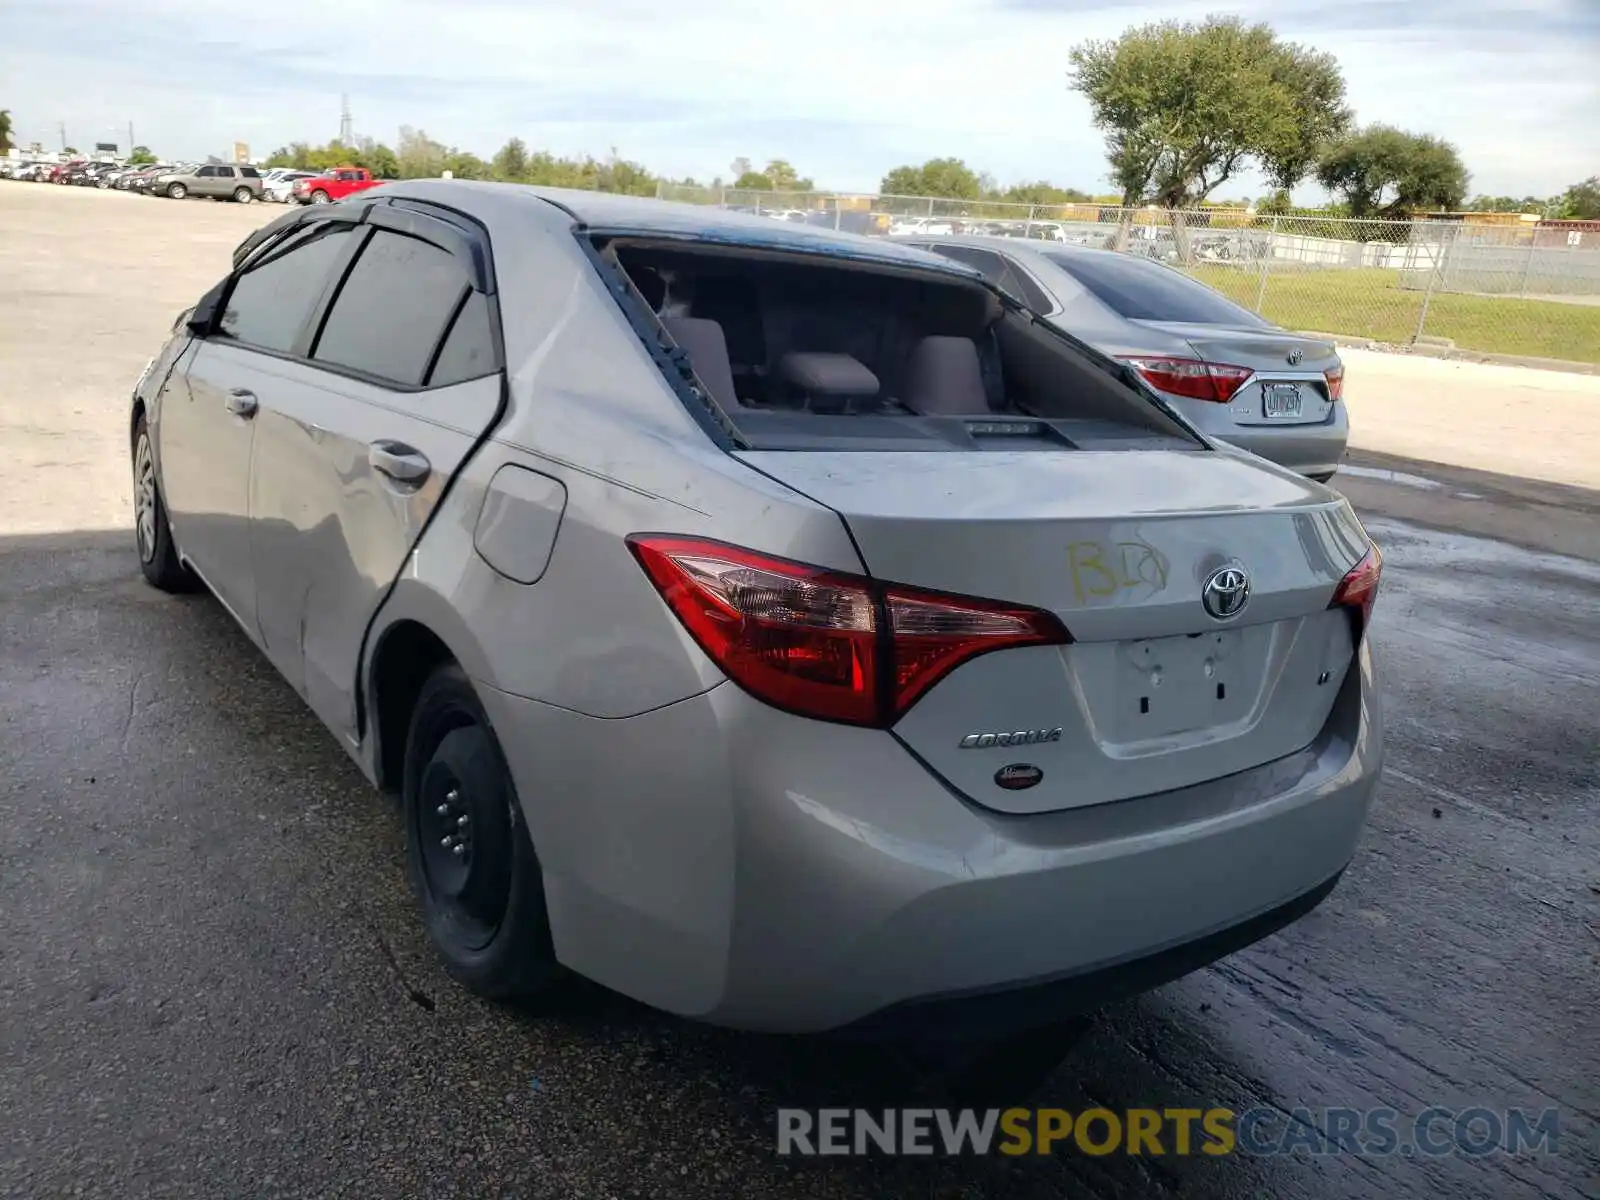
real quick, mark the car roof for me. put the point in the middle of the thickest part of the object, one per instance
(641, 215)
(1028, 245)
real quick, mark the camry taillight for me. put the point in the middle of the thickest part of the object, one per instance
(1359, 589)
(1191, 377)
(827, 644)
(1335, 378)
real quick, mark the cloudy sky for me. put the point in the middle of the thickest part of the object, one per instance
(844, 89)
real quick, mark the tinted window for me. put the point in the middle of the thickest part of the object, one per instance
(1145, 291)
(468, 351)
(250, 172)
(271, 300)
(392, 309)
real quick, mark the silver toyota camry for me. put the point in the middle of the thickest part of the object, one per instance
(1229, 372)
(787, 629)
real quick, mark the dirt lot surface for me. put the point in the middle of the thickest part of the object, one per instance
(212, 982)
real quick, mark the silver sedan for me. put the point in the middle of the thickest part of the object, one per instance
(1236, 376)
(779, 626)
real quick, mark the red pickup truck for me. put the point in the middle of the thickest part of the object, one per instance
(334, 184)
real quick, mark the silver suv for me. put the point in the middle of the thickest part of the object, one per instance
(220, 181)
(779, 626)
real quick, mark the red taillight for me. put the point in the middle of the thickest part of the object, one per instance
(1190, 377)
(822, 643)
(1359, 588)
(1335, 378)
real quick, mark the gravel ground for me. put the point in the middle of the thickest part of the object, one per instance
(212, 983)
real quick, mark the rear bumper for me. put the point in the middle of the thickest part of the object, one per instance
(1040, 1002)
(728, 862)
(1315, 450)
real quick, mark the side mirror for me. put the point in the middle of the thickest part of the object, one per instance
(202, 317)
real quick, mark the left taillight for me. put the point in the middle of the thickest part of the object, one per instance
(1216, 382)
(1358, 590)
(827, 644)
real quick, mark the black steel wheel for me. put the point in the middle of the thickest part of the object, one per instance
(471, 862)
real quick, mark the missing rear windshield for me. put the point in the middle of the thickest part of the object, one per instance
(789, 350)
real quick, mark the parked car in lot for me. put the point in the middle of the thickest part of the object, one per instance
(147, 180)
(919, 226)
(778, 626)
(219, 181)
(333, 185)
(278, 187)
(1231, 373)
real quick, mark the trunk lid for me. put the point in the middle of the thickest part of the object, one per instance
(1283, 391)
(1154, 693)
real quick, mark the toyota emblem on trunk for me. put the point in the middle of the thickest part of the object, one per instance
(1225, 592)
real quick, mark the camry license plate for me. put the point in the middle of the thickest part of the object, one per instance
(1281, 400)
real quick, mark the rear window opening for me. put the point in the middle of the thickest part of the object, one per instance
(785, 349)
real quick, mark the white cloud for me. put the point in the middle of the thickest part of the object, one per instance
(843, 89)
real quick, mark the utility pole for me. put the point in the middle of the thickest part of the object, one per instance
(130, 139)
(346, 122)
(63, 137)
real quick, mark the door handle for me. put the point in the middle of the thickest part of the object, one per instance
(398, 461)
(242, 402)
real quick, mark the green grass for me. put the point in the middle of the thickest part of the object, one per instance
(1369, 303)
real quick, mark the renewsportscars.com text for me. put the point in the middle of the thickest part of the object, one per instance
(1370, 1132)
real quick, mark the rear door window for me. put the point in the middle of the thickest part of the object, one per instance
(270, 302)
(392, 312)
(1145, 291)
(468, 350)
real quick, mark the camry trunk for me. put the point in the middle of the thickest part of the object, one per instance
(1154, 691)
(1288, 384)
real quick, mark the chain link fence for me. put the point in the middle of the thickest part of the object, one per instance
(1505, 286)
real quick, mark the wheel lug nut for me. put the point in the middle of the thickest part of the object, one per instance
(459, 849)
(452, 795)
(462, 822)
(447, 842)
(443, 810)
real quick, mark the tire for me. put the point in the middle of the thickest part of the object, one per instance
(152, 536)
(243, 195)
(320, 197)
(176, 191)
(483, 907)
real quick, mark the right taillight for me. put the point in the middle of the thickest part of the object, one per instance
(827, 644)
(1335, 378)
(1191, 377)
(1359, 589)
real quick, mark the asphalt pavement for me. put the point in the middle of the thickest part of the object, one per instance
(212, 982)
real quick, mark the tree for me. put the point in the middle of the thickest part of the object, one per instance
(785, 178)
(418, 155)
(1040, 192)
(511, 161)
(69, 150)
(1509, 204)
(463, 164)
(140, 156)
(753, 181)
(5, 130)
(1387, 173)
(1186, 107)
(949, 178)
(1581, 201)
